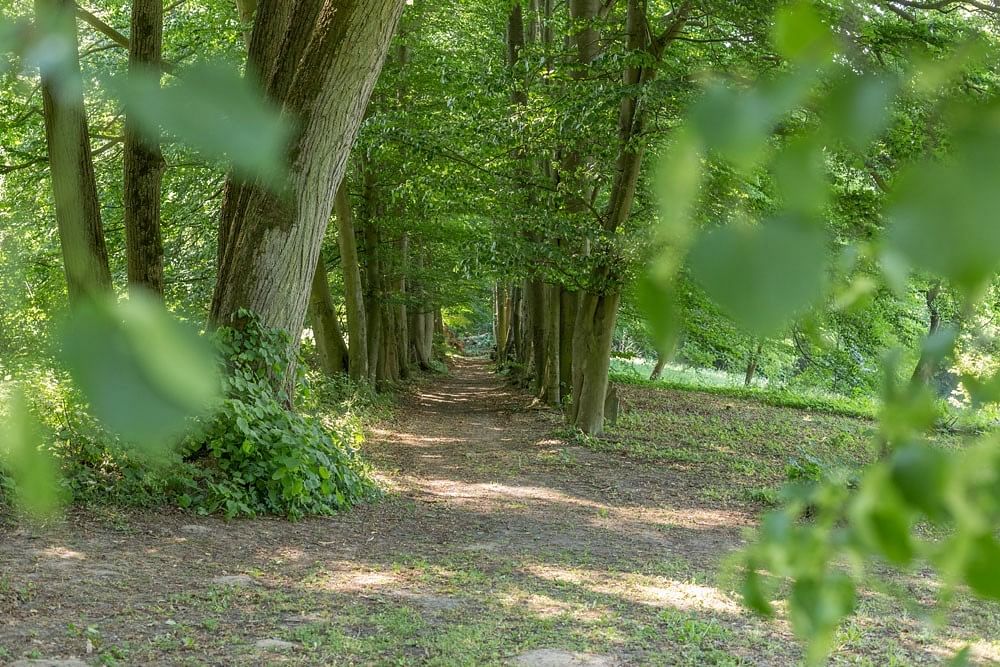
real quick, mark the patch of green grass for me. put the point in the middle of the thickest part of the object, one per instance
(864, 407)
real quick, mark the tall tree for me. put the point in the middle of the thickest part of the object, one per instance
(71, 165)
(319, 60)
(357, 328)
(598, 307)
(143, 170)
(330, 348)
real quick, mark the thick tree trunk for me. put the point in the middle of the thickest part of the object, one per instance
(330, 348)
(595, 326)
(323, 73)
(74, 188)
(143, 161)
(357, 328)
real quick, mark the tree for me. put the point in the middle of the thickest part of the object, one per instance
(143, 170)
(319, 62)
(74, 188)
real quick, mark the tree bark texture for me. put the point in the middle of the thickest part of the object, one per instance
(71, 165)
(357, 328)
(143, 161)
(331, 52)
(330, 347)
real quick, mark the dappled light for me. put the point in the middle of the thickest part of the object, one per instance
(593, 333)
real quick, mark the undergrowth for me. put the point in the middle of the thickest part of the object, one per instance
(253, 456)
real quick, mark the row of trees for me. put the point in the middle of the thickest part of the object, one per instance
(506, 149)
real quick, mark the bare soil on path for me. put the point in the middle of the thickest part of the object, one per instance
(498, 542)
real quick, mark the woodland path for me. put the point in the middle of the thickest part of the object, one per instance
(496, 539)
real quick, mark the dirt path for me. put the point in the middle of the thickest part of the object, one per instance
(497, 543)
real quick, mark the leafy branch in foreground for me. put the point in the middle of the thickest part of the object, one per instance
(767, 273)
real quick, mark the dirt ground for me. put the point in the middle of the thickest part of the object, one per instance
(497, 543)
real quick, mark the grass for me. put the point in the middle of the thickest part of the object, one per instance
(721, 383)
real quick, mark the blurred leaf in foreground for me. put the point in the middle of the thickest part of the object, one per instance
(32, 468)
(216, 111)
(943, 218)
(762, 276)
(143, 371)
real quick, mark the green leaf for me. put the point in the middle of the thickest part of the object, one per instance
(920, 473)
(143, 373)
(762, 276)
(753, 593)
(659, 303)
(816, 607)
(31, 466)
(882, 519)
(943, 218)
(801, 36)
(982, 567)
(216, 111)
(800, 176)
(857, 110)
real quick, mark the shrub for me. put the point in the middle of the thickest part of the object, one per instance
(263, 458)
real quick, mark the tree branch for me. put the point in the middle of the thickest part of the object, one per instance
(941, 5)
(115, 36)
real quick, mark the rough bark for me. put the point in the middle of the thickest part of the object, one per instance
(74, 188)
(357, 328)
(322, 75)
(143, 161)
(592, 358)
(330, 347)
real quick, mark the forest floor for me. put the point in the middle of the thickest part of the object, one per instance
(498, 542)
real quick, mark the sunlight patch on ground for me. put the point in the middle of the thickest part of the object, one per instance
(981, 651)
(457, 490)
(545, 606)
(62, 553)
(352, 581)
(644, 589)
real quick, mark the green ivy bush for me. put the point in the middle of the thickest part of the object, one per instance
(263, 458)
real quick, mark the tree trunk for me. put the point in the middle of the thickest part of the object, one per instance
(552, 328)
(323, 74)
(74, 188)
(597, 312)
(661, 361)
(567, 321)
(399, 286)
(926, 364)
(752, 364)
(595, 326)
(330, 348)
(143, 161)
(536, 323)
(373, 300)
(357, 328)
